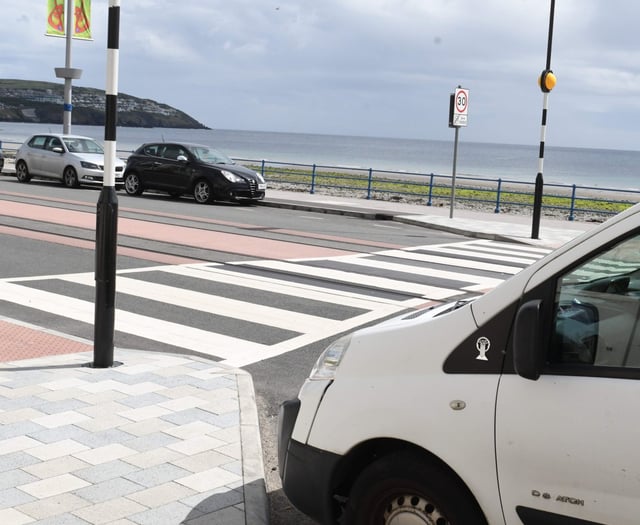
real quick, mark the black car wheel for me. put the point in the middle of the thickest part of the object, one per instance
(22, 172)
(132, 184)
(202, 192)
(70, 177)
(404, 488)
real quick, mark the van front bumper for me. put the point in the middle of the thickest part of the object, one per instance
(306, 471)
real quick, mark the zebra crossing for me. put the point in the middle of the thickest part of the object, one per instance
(248, 311)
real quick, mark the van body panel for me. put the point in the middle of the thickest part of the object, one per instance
(558, 447)
(566, 445)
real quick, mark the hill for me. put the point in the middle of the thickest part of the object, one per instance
(31, 101)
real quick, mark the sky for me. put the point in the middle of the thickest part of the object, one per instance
(381, 68)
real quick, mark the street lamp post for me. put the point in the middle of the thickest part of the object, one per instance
(67, 72)
(547, 82)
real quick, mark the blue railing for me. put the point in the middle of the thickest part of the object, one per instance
(430, 188)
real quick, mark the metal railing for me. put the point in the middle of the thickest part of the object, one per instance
(430, 189)
(433, 189)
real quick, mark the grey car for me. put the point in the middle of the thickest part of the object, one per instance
(72, 159)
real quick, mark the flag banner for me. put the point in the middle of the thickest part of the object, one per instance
(55, 18)
(82, 27)
(56, 22)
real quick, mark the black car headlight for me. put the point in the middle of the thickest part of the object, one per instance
(231, 177)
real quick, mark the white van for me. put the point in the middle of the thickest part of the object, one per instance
(519, 407)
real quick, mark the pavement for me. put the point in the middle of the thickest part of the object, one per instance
(162, 438)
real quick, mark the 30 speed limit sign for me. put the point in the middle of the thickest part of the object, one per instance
(461, 106)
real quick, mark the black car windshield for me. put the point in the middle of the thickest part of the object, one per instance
(209, 155)
(76, 145)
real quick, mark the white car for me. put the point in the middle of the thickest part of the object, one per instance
(72, 159)
(517, 408)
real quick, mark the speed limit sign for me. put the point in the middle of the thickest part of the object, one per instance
(461, 106)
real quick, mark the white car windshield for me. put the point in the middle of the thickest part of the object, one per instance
(210, 155)
(77, 145)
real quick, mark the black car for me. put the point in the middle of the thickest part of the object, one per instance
(1, 161)
(193, 169)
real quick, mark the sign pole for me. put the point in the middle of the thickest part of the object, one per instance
(458, 113)
(453, 177)
(107, 209)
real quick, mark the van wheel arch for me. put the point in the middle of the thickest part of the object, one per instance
(361, 459)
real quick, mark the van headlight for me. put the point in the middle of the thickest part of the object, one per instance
(329, 360)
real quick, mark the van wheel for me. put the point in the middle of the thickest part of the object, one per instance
(202, 192)
(70, 177)
(22, 172)
(404, 488)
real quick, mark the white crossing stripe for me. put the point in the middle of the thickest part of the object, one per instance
(266, 315)
(450, 261)
(281, 286)
(490, 256)
(430, 292)
(534, 251)
(480, 282)
(142, 326)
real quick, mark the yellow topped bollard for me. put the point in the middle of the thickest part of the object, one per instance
(547, 81)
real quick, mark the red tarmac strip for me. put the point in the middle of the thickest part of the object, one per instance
(210, 240)
(146, 255)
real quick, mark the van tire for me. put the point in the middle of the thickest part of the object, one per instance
(405, 483)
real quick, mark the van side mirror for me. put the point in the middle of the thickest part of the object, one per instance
(528, 351)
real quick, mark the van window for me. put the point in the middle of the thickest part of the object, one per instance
(597, 310)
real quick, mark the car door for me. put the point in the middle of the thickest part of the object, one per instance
(53, 162)
(172, 171)
(567, 443)
(146, 163)
(34, 153)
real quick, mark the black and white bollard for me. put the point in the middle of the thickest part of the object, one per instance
(107, 209)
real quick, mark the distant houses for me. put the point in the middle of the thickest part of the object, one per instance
(86, 98)
(33, 101)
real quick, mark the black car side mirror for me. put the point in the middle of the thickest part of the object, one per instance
(528, 351)
(182, 158)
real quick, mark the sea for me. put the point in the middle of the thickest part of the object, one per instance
(590, 168)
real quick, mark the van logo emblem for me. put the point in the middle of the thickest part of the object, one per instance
(482, 344)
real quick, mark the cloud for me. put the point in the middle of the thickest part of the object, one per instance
(372, 67)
